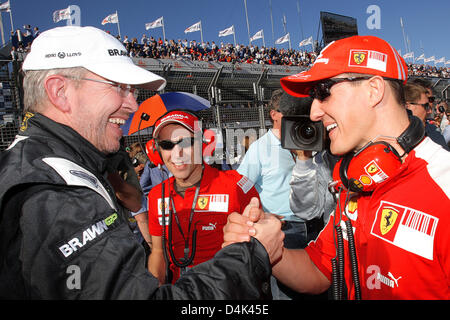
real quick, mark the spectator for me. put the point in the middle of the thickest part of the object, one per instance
(269, 168)
(418, 102)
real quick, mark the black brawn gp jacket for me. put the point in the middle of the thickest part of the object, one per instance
(63, 234)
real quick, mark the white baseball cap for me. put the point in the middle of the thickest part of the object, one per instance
(93, 49)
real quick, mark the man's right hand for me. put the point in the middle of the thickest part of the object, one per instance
(266, 228)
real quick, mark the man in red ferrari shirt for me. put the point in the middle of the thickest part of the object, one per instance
(400, 219)
(197, 199)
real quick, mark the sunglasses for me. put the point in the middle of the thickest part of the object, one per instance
(182, 143)
(321, 90)
(426, 106)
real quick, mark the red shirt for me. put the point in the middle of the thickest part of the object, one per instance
(401, 231)
(220, 193)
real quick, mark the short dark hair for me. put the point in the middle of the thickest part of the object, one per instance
(422, 82)
(413, 92)
(397, 87)
(274, 102)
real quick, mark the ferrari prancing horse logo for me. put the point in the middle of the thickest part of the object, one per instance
(388, 217)
(202, 202)
(359, 57)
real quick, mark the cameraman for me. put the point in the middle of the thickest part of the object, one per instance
(309, 198)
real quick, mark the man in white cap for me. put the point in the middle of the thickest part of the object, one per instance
(62, 233)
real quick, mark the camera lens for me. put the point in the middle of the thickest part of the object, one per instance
(305, 133)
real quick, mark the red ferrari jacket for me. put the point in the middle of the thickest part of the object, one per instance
(220, 193)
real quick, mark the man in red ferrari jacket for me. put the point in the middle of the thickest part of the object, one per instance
(197, 199)
(400, 219)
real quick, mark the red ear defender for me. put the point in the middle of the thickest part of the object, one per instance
(153, 153)
(363, 171)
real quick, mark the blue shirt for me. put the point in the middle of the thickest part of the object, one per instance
(269, 167)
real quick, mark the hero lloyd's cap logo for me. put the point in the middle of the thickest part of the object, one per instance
(63, 55)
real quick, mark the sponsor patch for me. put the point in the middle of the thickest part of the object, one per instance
(85, 238)
(368, 59)
(212, 203)
(160, 206)
(406, 228)
(245, 184)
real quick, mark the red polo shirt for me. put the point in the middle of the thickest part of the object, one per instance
(220, 193)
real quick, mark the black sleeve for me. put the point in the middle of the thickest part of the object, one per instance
(240, 271)
(72, 245)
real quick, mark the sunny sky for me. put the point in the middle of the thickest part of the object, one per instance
(426, 23)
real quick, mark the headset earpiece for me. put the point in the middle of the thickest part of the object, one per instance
(375, 162)
(153, 153)
(363, 171)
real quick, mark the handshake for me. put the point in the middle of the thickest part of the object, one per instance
(253, 222)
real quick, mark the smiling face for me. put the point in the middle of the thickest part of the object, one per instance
(346, 116)
(98, 111)
(180, 160)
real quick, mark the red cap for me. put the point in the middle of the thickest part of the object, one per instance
(183, 118)
(357, 54)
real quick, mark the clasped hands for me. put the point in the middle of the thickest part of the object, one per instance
(254, 222)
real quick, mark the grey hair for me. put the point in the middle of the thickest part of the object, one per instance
(34, 89)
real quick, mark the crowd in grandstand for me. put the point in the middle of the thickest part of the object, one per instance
(150, 47)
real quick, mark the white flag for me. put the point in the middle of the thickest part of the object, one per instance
(112, 18)
(401, 22)
(155, 24)
(441, 60)
(408, 55)
(226, 32)
(5, 7)
(63, 14)
(283, 39)
(257, 35)
(429, 59)
(195, 27)
(421, 57)
(305, 42)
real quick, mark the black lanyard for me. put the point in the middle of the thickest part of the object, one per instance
(191, 217)
(187, 260)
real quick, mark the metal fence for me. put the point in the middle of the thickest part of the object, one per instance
(238, 93)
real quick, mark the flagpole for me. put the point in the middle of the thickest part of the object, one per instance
(271, 20)
(201, 32)
(403, 31)
(118, 25)
(264, 43)
(1, 29)
(299, 18)
(234, 36)
(246, 17)
(10, 17)
(164, 32)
